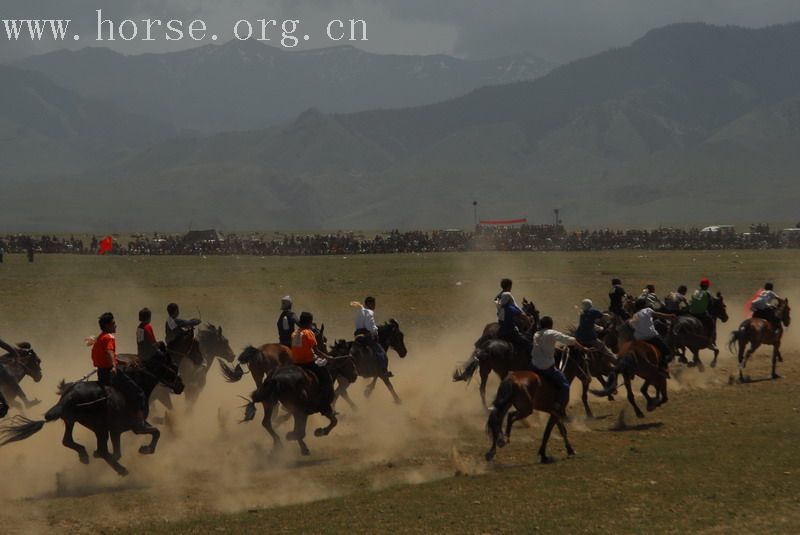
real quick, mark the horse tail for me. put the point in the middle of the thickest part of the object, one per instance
(19, 428)
(468, 371)
(267, 393)
(230, 373)
(499, 408)
(624, 365)
(737, 337)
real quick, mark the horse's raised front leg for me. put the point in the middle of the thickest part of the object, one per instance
(102, 453)
(632, 398)
(70, 443)
(324, 431)
(155, 434)
(651, 403)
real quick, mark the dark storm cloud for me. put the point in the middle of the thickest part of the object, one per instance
(557, 29)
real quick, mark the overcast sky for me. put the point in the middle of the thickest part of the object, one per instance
(559, 30)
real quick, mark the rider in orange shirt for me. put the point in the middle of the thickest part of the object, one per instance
(305, 352)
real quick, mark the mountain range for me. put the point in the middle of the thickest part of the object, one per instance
(245, 85)
(691, 124)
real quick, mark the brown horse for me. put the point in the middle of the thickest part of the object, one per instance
(758, 331)
(527, 392)
(489, 356)
(638, 358)
(297, 389)
(583, 366)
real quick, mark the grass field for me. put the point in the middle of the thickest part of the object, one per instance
(718, 457)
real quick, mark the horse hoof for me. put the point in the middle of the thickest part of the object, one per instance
(713, 364)
(775, 376)
(33, 403)
(639, 414)
(571, 453)
(84, 459)
(651, 407)
(122, 471)
(700, 367)
(291, 435)
(489, 456)
(547, 460)
(146, 450)
(398, 402)
(502, 442)
(96, 455)
(319, 432)
(305, 452)
(610, 398)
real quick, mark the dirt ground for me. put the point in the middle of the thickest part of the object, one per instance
(718, 457)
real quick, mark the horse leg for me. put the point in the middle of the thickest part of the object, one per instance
(543, 448)
(743, 358)
(70, 443)
(341, 391)
(370, 387)
(299, 432)
(388, 384)
(324, 431)
(715, 349)
(267, 423)
(652, 403)
(563, 430)
(696, 360)
(103, 453)
(512, 417)
(632, 398)
(776, 355)
(585, 396)
(115, 443)
(484, 373)
(155, 434)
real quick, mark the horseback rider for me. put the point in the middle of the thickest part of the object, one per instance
(367, 330)
(177, 328)
(649, 295)
(543, 359)
(676, 302)
(698, 307)
(616, 296)
(308, 356)
(586, 333)
(507, 310)
(286, 322)
(645, 330)
(763, 306)
(109, 373)
(146, 343)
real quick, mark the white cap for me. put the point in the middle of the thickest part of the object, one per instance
(587, 304)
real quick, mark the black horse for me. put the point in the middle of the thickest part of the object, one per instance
(389, 336)
(194, 356)
(102, 410)
(689, 332)
(299, 393)
(14, 369)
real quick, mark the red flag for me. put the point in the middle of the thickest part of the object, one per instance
(747, 306)
(105, 245)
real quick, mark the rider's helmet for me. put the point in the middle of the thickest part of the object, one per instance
(286, 302)
(705, 283)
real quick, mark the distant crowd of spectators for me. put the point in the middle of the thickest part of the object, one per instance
(483, 238)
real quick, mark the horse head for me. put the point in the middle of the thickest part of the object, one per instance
(717, 308)
(784, 312)
(319, 333)
(164, 369)
(29, 361)
(214, 344)
(531, 311)
(390, 335)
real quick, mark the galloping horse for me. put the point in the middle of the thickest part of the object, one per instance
(194, 356)
(526, 322)
(102, 410)
(492, 355)
(527, 392)
(757, 331)
(689, 332)
(389, 336)
(584, 366)
(14, 370)
(299, 393)
(634, 358)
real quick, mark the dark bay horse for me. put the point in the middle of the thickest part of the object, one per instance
(492, 355)
(298, 391)
(101, 409)
(389, 337)
(194, 357)
(758, 331)
(688, 332)
(637, 358)
(526, 392)
(14, 370)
